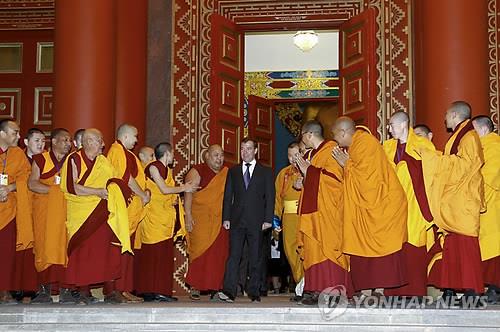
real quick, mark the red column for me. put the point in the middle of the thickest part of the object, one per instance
(451, 59)
(131, 65)
(84, 65)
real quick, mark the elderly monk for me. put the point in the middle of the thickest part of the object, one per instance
(489, 232)
(49, 218)
(423, 131)
(25, 279)
(146, 155)
(455, 190)
(375, 210)
(320, 224)
(129, 168)
(400, 151)
(14, 172)
(97, 219)
(288, 187)
(208, 241)
(156, 233)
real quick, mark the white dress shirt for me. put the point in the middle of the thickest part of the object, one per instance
(252, 167)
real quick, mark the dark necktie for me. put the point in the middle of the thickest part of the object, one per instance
(246, 175)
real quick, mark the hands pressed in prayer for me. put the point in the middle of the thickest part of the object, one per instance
(340, 156)
(226, 224)
(302, 164)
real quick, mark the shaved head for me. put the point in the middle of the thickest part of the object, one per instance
(462, 109)
(9, 133)
(314, 127)
(483, 125)
(60, 140)
(215, 157)
(400, 117)
(399, 126)
(345, 123)
(92, 142)
(312, 134)
(127, 135)
(458, 112)
(125, 129)
(423, 131)
(164, 151)
(91, 133)
(343, 130)
(146, 155)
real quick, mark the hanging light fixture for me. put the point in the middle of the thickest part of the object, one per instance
(305, 40)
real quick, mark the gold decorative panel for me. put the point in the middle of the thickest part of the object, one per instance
(45, 57)
(11, 57)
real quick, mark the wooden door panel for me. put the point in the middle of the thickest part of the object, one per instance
(358, 98)
(230, 140)
(226, 81)
(261, 128)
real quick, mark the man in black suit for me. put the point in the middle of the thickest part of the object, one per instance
(247, 211)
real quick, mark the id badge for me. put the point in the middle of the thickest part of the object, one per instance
(4, 179)
(57, 179)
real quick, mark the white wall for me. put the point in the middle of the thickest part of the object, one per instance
(276, 52)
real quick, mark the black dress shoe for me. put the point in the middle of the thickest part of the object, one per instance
(165, 298)
(148, 297)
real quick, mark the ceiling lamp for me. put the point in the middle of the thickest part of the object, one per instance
(305, 40)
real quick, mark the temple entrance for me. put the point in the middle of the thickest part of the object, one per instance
(255, 103)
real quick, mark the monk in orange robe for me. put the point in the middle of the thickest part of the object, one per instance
(423, 131)
(26, 280)
(288, 187)
(156, 233)
(208, 241)
(400, 151)
(146, 155)
(49, 218)
(97, 219)
(489, 230)
(14, 171)
(129, 168)
(456, 197)
(375, 210)
(320, 223)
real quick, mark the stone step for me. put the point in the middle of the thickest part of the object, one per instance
(270, 315)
